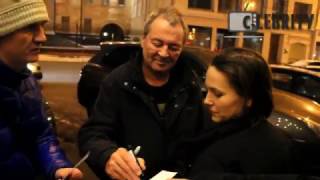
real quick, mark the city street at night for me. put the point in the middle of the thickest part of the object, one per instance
(195, 89)
(59, 86)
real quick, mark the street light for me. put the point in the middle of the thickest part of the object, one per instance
(249, 5)
(81, 17)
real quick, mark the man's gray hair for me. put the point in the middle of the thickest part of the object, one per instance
(171, 14)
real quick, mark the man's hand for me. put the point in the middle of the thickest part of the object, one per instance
(123, 166)
(68, 174)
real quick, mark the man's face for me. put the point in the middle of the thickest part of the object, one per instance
(22, 46)
(162, 46)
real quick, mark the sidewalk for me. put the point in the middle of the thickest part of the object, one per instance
(59, 58)
(67, 54)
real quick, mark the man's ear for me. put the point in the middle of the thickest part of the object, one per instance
(142, 39)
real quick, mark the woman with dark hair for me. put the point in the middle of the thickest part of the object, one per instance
(241, 141)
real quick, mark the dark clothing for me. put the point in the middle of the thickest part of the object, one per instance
(234, 176)
(27, 143)
(91, 77)
(245, 146)
(98, 67)
(125, 114)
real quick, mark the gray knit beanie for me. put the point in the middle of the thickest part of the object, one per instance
(16, 14)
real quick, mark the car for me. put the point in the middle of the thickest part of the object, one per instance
(313, 68)
(296, 80)
(297, 114)
(313, 65)
(113, 54)
(50, 115)
(37, 73)
(299, 118)
(305, 62)
(35, 69)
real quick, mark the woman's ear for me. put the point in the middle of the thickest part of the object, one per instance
(249, 103)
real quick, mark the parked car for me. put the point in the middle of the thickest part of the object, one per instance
(296, 80)
(313, 68)
(37, 73)
(313, 65)
(306, 62)
(35, 69)
(299, 117)
(292, 108)
(296, 114)
(50, 115)
(113, 54)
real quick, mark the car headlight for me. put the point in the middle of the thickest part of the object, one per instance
(31, 67)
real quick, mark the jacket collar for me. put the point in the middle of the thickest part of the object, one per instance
(218, 131)
(10, 78)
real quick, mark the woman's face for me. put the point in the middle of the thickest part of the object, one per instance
(223, 101)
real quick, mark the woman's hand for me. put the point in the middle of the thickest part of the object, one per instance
(68, 174)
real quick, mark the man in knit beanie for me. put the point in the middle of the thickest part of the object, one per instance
(28, 146)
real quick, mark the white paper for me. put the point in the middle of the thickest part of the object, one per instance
(164, 175)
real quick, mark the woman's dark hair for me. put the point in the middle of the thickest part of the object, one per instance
(250, 76)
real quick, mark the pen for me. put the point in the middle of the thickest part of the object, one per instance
(77, 165)
(135, 153)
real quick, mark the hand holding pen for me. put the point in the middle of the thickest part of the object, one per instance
(122, 164)
(135, 154)
(72, 173)
(68, 174)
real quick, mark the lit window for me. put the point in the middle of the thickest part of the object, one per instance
(279, 6)
(225, 39)
(121, 2)
(65, 23)
(89, 2)
(202, 4)
(199, 36)
(253, 40)
(227, 6)
(302, 8)
(254, 6)
(87, 25)
(105, 2)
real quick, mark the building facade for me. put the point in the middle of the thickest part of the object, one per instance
(109, 19)
(208, 25)
(207, 21)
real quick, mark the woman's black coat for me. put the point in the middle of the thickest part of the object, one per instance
(244, 146)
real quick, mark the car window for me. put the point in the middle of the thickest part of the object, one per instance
(314, 63)
(313, 68)
(307, 86)
(119, 55)
(282, 80)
